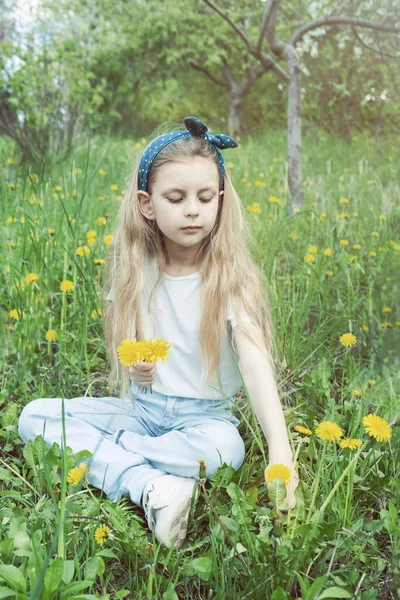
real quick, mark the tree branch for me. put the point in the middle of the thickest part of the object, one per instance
(265, 22)
(266, 60)
(329, 21)
(380, 52)
(208, 73)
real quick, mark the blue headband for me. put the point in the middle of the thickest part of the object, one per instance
(194, 127)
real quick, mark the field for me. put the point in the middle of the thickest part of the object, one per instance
(333, 270)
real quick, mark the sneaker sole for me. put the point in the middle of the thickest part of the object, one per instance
(176, 531)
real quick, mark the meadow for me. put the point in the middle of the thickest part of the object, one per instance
(333, 274)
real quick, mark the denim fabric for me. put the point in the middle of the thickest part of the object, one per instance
(133, 442)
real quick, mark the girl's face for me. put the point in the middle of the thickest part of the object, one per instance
(184, 194)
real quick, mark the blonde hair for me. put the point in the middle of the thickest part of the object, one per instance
(227, 269)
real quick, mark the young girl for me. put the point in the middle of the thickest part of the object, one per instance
(200, 290)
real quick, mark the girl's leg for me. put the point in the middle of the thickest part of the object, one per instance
(178, 452)
(89, 424)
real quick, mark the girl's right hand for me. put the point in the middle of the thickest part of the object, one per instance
(143, 374)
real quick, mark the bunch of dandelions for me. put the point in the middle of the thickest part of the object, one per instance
(131, 352)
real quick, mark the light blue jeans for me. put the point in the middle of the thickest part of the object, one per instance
(131, 444)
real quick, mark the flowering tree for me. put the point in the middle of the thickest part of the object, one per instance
(287, 50)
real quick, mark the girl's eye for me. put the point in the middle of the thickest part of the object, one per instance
(175, 201)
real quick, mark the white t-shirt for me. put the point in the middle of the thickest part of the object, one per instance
(175, 317)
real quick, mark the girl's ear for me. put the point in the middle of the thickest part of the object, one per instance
(145, 205)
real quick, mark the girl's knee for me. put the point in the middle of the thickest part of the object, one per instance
(33, 415)
(228, 447)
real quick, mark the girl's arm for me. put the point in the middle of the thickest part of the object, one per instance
(262, 389)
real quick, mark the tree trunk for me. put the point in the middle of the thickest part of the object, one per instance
(295, 175)
(235, 101)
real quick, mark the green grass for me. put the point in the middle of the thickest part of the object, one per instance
(342, 539)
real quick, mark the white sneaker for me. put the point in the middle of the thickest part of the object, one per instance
(166, 503)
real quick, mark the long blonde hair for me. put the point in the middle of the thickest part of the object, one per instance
(227, 269)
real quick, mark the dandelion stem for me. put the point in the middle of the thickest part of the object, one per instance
(316, 484)
(343, 475)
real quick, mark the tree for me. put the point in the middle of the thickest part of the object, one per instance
(286, 50)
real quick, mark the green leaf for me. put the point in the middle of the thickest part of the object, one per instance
(335, 592)
(277, 492)
(94, 567)
(170, 593)
(5, 592)
(13, 577)
(279, 594)
(69, 570)
(108, 553)
(122, 594)
(252, 495)
(75, 586)
(201, 567)
(53, 576)
(21, 540)
(229, 523)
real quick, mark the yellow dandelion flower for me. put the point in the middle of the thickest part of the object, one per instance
(343, 201)
(96, 313)
(303, 430)
(351, 443)
(51, 335)
(91, 233)
(292, 236)
(370, 182)
(91, 241)
(113, 187)
(296, 211)
(102, 172)
(51, 231)
(98, 261)
(101, 534)
(372, 253)
(382, 217)
(108, 239)
(372, 381)
(377, 427)
(278, 471)
(83, 251)
(58, 188)
(343, 216)
(356, 392)
(386, 309)
(67, 286)
(13, 314)
(328, 252)
(77, 171)
(329, 273)
(274, 200)
(348, 339)
(129, 352)
(356, 247)
(10, 161)
(341, 178)
(328, 431)
(365, 327)
(31, 277)
(76, 474)
(101, 198)
(344, 242)
(101, 221)
(309, 258)
(312, 249)
(323, 216)
(375, 233)
(230, 165)
(355, 214)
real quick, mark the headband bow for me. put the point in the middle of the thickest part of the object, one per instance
(194, 127)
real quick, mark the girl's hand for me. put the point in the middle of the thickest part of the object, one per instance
(143, 374)
(290, 490)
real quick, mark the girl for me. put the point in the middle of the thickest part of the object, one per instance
(200, 290)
